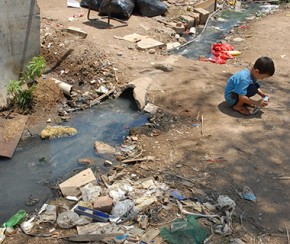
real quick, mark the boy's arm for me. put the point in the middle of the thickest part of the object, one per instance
(261, 93)
(248, 101)
(251, 102)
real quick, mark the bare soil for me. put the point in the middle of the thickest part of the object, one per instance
(199, 142)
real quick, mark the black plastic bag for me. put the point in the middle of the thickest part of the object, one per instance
(150, 8)
(121, 9)
(94, 4)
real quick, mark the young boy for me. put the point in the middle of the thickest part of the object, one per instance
(243, 85)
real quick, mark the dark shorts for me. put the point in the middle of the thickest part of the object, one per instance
(251, 91)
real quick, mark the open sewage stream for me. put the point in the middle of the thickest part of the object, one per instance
(37, 164)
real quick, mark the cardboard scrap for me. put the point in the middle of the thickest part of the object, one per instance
(71, 187)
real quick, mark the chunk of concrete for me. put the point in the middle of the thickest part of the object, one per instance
(148, 43)
(140, 89)
(76, 31)
(178, 27)
(203, 15)
(104, 204)
(71, 187)
(134, 37)
(189, 21)
(172, 45)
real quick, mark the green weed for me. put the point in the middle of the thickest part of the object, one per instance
(23, 97)
(35, 67)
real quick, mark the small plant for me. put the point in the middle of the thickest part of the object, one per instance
(14, 87)
(22, 97)
(24, 100)
(35, 67)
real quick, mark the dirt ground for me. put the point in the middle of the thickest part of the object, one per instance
(226, 151)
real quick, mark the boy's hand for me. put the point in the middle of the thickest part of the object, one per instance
(263, 103)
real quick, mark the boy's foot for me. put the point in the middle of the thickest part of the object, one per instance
(242, 110)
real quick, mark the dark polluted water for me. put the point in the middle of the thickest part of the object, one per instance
(36, 164)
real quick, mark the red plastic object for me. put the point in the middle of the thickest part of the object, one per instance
(220, 54)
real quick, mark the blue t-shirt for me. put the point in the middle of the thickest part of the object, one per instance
(238, 83)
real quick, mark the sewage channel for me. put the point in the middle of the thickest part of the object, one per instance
(217, 27)
(37, 164)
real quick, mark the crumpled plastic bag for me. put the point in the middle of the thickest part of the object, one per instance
(94, 4)
(121, 9)
(150, 8)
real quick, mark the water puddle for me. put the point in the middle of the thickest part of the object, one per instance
(218, 26)
(26, 178)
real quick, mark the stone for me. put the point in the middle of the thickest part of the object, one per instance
(203, 15)
(71, 187)
(172, 45)
(76, 31)
(151, 108)
(148, 43)
(103, 148)
(190, 21)
(141, 86)
(152, 51)
(178, 27)
(104, 204)
(238, 39)
(134, 37)
(196, 17)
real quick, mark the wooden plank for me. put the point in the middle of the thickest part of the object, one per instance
(11, 129)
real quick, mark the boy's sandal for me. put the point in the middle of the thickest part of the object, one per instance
(243, 111)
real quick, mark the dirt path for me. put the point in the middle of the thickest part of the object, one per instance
(251, 151)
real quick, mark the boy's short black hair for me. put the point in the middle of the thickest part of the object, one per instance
(265, 65)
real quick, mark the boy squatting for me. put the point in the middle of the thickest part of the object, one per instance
(244, 84)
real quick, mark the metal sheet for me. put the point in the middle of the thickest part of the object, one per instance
(11, 129)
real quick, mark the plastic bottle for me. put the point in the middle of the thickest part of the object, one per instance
(15, 219)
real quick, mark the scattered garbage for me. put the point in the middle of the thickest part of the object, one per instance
(47, 213)
(122, 208)
(71, 186)
(2, 234)
(95, 215)
(176, 194)
(73, 4)
(28, 225)
(51, 132)
(92, 4)
(69, 219)
(185, 231)
(15, 219)
(248, 194)
(121, 9)
(221, 52)
(150, 8)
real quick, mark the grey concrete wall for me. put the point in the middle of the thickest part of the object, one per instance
(19, 39)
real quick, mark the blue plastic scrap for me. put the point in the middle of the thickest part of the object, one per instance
(248, 194)
(96, 215)
(176, 194)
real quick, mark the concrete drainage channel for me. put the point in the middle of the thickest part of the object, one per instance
(36, 164)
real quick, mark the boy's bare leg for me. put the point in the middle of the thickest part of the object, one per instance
(239, 107)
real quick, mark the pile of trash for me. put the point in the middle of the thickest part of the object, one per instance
(118, 208)
(123, 8)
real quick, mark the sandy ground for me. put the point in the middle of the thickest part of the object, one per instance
(252, 151)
